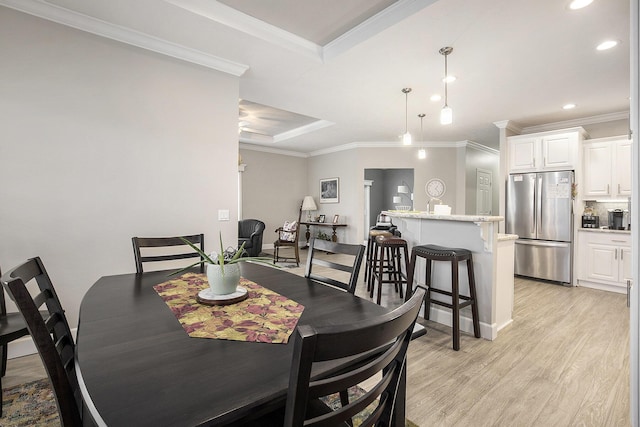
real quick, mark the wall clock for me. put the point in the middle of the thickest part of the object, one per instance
(435, 188)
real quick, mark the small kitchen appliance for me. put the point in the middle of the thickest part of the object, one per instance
(617, 219)
(590, 221)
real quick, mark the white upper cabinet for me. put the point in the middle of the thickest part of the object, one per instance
(544, 151)
(607, 168)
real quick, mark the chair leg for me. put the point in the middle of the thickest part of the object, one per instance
(472, 294)
(411, 269)
(297, 255)
(3, 368)
(427, 298)
(380, 278)
(456, 305)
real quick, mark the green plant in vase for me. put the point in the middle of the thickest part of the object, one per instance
(223, 271)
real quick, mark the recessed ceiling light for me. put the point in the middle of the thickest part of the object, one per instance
(435, 97)
(607, 45)
(569, 106)
(449, 79)
(579, 4)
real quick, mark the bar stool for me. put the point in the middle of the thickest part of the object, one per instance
(392, 265)
(368, 264)
(453, 255)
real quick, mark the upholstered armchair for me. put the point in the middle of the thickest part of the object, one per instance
(250, 233)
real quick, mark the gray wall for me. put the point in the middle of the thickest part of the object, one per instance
(103, 141)
(385, 187)
(273, 188)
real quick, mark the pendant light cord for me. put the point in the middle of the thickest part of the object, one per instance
(446, 78)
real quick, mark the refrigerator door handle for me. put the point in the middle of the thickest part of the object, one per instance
(542, 243)
(538, 204)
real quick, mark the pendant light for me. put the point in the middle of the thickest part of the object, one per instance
(422, 153)
(446, 114)
(406, 137)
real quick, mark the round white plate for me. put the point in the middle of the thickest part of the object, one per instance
(207, 294)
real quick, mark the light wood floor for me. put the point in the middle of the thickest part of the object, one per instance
(563, 362)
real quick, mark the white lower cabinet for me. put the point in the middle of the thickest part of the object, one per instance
(604, 260)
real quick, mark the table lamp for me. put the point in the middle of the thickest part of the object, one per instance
(308, 204)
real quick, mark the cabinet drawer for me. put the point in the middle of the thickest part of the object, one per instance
(605, 238)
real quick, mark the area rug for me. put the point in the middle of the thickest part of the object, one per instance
(32, 405)
(29, 404)
(333, 402)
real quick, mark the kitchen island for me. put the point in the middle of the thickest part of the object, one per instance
(493, 260)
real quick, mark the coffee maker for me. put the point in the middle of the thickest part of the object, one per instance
(618, 219)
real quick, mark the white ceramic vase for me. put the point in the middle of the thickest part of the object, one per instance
(223, 284)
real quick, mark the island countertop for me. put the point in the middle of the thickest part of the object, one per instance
(426, 215)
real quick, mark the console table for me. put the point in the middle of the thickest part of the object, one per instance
(333, 226)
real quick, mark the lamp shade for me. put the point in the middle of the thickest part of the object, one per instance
(308, 204)
(446, 115)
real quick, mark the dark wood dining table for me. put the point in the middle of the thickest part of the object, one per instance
(138, 367)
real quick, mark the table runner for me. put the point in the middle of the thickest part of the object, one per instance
(265, 316)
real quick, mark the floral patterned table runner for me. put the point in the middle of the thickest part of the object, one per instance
(264, 316)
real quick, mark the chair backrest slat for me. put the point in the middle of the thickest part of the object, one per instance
(165, 242)
(318, 245)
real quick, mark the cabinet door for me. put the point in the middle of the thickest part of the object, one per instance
(523, 154)
(622, 169)
(597, 169)
(602, 262)
(625, 264)
(557, 151)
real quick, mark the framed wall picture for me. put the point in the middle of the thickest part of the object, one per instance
(330, 190)
(335, 219)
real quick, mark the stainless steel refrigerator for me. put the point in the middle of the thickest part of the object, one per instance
(540, 212)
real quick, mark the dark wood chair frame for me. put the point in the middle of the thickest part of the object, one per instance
(12, 327)
(280, 243)
(51, 335)
(319, 245)
(380, 346)
(158, 242)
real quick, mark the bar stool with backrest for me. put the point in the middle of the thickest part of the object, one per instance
(454, 256)
(392, 248)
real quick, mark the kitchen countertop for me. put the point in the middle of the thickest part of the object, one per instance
(426, 215)
(605, 230)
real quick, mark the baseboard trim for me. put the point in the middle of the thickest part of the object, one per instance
(487, 331)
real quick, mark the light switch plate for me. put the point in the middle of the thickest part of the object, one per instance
(223, 214)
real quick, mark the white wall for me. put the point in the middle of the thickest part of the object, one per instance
(101, 141)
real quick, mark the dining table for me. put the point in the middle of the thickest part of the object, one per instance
(137, 366)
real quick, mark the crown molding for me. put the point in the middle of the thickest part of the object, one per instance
(263, 149)
(115, 32)
(592, 120)
(374, 25)
(311, 127)
(476, 146)
(356, 145)
(508, 125)
(237, 20)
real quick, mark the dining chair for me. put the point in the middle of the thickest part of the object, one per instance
(318, 245)
(288, 237)
(51, 336)
(166, 244)
(379, 344)
(12, 327)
